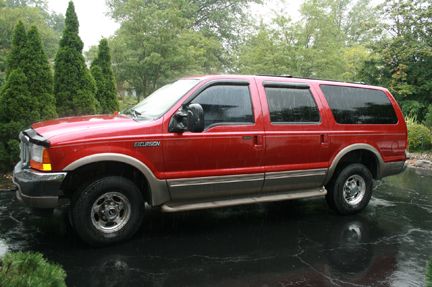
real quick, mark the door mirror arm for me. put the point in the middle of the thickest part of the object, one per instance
(178, 122)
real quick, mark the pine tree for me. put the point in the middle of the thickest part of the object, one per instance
(74, 86)
(17, 112)
(17, 108)
(39, 75)
(104, 77)
(17, 54)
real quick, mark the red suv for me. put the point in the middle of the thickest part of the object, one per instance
(213, 141)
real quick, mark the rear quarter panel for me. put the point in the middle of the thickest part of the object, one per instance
(391, 140)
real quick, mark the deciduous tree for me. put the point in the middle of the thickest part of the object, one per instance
(161, 40)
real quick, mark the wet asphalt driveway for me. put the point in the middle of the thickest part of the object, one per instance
(297, 243)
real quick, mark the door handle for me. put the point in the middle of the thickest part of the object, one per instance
(258, 141)
(324, 140)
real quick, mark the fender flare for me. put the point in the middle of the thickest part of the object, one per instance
(158, 188)
(349, 149)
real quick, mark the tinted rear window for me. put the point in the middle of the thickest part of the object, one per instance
(359, 105)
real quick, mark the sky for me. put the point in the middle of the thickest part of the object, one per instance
(96, 24)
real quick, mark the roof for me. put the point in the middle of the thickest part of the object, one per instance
(286, 78)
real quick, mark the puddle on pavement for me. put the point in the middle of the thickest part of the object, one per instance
(280, 244)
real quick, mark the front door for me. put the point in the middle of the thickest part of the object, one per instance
(224, 160)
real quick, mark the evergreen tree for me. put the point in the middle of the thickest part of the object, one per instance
(17, 112)
(103, 75)
(17, 54)
(39, 76)
(74, 86)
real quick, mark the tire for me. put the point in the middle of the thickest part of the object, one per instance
(108, 210)
(350, 190)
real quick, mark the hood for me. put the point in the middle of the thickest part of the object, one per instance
(66, 130)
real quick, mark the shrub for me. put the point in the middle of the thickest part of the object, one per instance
(28, 269)
(428, 118)
(413, 109)
(419, 136)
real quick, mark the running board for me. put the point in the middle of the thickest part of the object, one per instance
(174, 207)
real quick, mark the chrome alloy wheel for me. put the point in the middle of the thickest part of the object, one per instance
(354, 189)
(110, 212)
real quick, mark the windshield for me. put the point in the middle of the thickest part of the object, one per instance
(158, 103)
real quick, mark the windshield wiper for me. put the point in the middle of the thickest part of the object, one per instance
(131, 111)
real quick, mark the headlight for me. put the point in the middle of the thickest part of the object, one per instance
(39, 158)
(36, 153)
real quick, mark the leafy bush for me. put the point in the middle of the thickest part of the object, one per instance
(428, 118)
(419, 136)
(28, 269)
(413, 109)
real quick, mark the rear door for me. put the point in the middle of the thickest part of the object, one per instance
(297, 147)
(225, 159)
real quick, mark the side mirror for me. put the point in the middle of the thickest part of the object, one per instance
(195, 118)
(189, 118)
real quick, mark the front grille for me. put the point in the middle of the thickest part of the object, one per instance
(24, 149)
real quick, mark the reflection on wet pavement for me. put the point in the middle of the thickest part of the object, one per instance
(297, 243)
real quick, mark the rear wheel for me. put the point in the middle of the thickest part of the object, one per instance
(108, 210)
(351, 189)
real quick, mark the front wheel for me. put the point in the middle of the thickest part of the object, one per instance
(108, 210)
(350, 191)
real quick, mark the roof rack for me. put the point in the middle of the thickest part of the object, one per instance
(310, 78)
(328, 80)
(280, 76)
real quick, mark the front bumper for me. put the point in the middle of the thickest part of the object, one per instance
(38, 189)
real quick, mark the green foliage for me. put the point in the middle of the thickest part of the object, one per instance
(17, 55)
(16, 103)
(428, 117)
(27, 95)
(403, 56)
(419, 136)
(429, 274)
(127, 102)
(17, 112)
(104, 78)
(39, 76)
(413, 109)
(162, 40)
(27, 269)
(329, 41)
(74, 86)
(31, 13)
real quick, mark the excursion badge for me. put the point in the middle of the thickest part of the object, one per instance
(147, 144)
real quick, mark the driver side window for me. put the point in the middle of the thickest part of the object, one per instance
(226, 104)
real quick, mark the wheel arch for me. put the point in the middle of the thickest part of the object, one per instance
(158, 189)
(360, 153)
